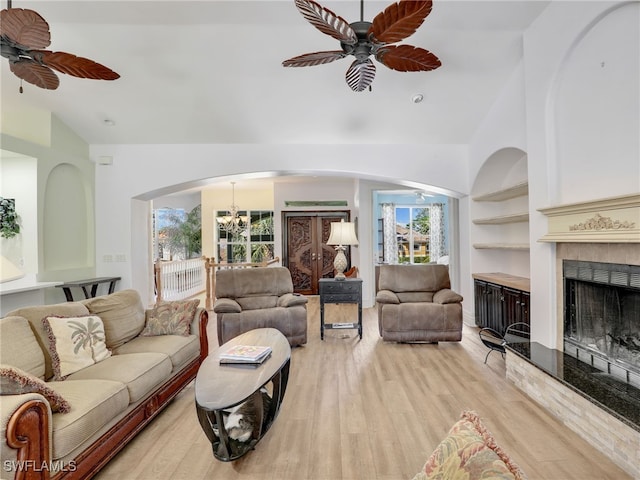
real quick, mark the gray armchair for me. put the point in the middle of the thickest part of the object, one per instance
(416, 304)
(261, 297)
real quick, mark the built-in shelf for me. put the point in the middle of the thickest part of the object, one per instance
(501, 246)
(25, 284)
(518, 190)
(22, 293)
(500, 220)
(503, 194)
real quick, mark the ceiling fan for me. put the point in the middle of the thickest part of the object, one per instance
(363, 39)
(23, 35)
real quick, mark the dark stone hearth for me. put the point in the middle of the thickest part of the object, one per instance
(620, 399)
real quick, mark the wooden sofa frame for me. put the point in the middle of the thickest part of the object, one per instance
(28, 427)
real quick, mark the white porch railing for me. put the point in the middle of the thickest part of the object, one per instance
(180, 279)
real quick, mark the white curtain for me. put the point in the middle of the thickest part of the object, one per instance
(437, 247)
(390, 235)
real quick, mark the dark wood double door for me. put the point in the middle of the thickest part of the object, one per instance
(306, 252)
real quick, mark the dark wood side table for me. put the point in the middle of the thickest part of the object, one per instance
(219, 388)
(90, 282)
(348, 290)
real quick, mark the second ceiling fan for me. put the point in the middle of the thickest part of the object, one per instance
(363, 39)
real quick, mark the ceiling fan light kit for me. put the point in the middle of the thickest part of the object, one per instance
(23, 35)
(363, 39)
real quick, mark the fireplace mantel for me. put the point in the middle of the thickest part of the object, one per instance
(609, 220)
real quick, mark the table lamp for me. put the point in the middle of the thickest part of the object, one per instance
(342, 234)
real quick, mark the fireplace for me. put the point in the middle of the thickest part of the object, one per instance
(591, 379)
(602, 316)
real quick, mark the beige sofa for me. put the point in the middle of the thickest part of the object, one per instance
(109, 401)
(261, 297)
(416, 304)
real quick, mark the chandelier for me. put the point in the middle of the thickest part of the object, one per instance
(233, 222)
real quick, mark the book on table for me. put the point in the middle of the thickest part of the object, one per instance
(245, 354)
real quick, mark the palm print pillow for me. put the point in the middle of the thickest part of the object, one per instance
(75, 343)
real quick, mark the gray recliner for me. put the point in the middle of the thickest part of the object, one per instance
(261, 297)
(416, 304)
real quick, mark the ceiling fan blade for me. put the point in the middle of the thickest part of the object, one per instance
(312, 59)
(360, 75)
(326, 21)
(25, 27)
(32, 72)
(399, 20)
(73, 65)
(407, 58)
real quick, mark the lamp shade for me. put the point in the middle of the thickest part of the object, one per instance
(342, 233)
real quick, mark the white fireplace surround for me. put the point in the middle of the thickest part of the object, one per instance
(610, 220)
(605, 230)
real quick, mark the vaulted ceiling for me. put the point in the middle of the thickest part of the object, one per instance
(211, 72)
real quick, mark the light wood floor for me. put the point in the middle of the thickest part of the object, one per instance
(364, 409)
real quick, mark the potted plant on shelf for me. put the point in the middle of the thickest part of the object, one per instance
(9, 226)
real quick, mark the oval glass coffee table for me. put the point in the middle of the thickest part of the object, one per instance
(236, 403)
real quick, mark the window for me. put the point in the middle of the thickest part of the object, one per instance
(412, 232)
(164, 221)
(253, 242)
(413, 228)
(177, 234)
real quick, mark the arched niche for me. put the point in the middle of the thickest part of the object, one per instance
(595, 110)
(503, 169)
(67, 224)
(499, 211)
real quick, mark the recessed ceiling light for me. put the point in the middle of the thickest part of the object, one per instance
(108, 122)
(417, 98)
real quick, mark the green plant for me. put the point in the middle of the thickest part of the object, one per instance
(183, 233)
(8, 218)
(422, 222)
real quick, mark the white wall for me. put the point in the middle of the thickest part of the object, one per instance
(578, 148)
(502, 132)
(595, 110)
(187, 201)
(60, 198)
(19, 180)
(143, 172)
(573, 108)
(577, 145)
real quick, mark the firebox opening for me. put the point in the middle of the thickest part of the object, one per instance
(602, 316)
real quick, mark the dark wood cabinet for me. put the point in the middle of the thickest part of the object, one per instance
(488, 300)
(340, 291)
(498, 306)
(516, 306)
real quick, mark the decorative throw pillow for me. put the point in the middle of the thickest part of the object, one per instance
(14, 381)
(170, 318)
(75, 343)
(469, 452)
